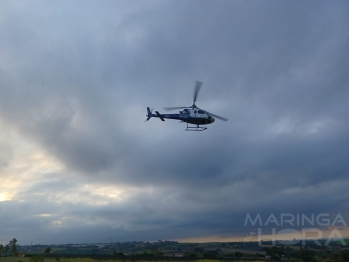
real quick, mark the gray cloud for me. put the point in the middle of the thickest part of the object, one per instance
(76, 81)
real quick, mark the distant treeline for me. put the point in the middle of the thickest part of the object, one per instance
(137, 257)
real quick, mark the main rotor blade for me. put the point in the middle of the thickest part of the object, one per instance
(174, 108)
(219, 117)
(196, 91)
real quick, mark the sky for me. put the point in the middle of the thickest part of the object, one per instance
(78, 164)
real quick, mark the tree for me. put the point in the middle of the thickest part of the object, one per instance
(6, 250)
(199, 250)
(306, 255)
(191, 255)
(13, 247)
(154, 249)
(47, 251)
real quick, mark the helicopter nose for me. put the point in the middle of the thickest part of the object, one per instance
(211, 119)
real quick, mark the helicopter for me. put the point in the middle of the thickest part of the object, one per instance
(192, 115)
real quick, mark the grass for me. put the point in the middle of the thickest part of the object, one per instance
(27, 259)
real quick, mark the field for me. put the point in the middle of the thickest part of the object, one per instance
(27, 259)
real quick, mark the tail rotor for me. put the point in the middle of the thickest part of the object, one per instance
(149, 113)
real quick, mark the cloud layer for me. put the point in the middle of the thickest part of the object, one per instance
(77, 162)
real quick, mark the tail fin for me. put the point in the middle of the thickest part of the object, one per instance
(149, 114)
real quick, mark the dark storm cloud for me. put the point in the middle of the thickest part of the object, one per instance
(77, 80)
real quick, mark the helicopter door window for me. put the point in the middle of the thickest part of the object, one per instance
(201, 112)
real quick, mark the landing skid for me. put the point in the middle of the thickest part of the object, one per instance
(195, 128)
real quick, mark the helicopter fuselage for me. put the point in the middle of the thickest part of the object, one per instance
(191, 116)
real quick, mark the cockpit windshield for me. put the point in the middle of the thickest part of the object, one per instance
(186, 112)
